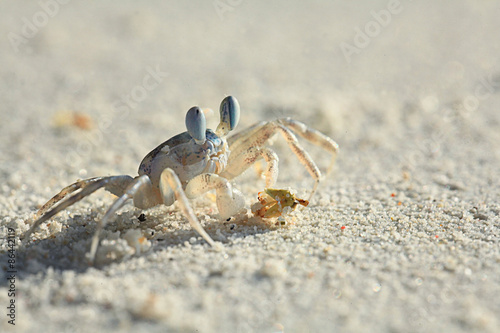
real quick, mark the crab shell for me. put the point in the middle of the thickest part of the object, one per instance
(186, 158)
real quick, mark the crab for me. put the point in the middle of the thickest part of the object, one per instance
(193, 163)
(274, 202)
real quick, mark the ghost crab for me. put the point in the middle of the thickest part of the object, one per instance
(192, 163)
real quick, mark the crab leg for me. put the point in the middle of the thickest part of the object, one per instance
(243, 134)
(260, 135)
(315, 137)
(301, 129)
(63, 193)
(169, 182)
(257, 135)
(303, 157)
(89, 186)
(239, 163)
(135, 185)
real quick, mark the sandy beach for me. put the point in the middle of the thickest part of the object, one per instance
(402, 236)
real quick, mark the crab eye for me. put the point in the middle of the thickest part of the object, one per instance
(196, 124)
(229, 112)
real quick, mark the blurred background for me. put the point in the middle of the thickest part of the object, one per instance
(373, 75)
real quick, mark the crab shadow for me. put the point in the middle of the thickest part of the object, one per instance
(68, 248)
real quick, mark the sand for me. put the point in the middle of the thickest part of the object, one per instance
(402, 236)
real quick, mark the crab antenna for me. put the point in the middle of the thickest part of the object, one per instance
(196, 124)
(229, 115)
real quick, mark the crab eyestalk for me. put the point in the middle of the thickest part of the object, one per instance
(229, 115)
(196, 124)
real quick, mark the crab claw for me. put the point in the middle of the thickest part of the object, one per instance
(230, 202)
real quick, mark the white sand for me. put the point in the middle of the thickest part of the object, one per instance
(416, 184)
